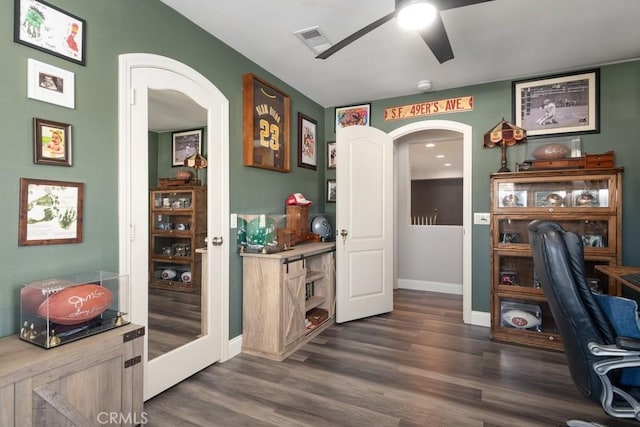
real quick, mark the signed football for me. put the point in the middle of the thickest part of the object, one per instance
(521, 319)
(551, 151)
(33, 294)
(76, 304)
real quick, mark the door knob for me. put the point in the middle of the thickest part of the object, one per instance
(216, 241)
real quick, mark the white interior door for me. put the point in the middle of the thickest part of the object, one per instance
(174, 366)
(364, 223)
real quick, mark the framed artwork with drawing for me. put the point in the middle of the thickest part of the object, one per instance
(353, 115)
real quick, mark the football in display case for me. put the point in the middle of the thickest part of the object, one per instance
(63, 309)
(521, 315)
(259, 232)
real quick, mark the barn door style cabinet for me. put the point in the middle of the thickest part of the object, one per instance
(585, 201)
(90, 382)
(288, 298)
(178, 225)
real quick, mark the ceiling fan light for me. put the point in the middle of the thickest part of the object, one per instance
(414, 15)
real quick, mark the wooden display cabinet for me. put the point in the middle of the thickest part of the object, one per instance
(585, 201)
(281, 291)
(177, 226)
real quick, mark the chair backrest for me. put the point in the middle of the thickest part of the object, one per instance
(558, 258)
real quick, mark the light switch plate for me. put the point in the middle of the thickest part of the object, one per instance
(481, 218)
(233, 220)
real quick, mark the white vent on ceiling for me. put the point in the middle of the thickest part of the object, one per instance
(313, 39)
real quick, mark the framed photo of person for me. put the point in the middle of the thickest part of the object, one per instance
(51, 142)
(307, 142)
(185, 144)
(559, 104)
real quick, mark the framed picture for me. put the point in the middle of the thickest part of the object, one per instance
(331, 154)
(50, 84)
(50, 212)
(185, 144)
(353, 115)
(307, 142)
(265, 125)
(45, 27)
(559, 104)
(51, 142)
(331, 190)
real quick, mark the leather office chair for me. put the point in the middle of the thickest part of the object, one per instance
(596, 355)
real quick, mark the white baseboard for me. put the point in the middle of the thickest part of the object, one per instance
(421, 285)
(481, 318)
(235, 346)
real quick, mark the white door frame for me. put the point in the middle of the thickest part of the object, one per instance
(217, 140)
(467, 133)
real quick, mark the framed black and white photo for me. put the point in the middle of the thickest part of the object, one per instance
(331, 154)
(50, 84)
(185, 144)
(331, 190)
(559, 104)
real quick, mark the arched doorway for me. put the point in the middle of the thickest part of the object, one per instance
(402, 184)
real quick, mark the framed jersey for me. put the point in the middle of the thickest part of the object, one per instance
(266, 125)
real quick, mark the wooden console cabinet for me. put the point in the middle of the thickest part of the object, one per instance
(177, 226)
(585, 201)
(82, 383)
(280, 291)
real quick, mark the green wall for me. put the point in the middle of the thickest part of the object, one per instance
(619, 131)
(115, 27)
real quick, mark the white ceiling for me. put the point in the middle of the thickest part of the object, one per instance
(492, 41)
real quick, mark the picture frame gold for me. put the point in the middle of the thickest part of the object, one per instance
(51, 212)
(52, 142)
(266, 128)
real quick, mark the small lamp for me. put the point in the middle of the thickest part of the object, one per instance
(197, 162)
(504, 134)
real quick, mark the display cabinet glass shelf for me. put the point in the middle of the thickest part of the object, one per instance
(177, 226)
(585, 201)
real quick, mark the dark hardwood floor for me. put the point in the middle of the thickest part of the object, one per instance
(417, 366)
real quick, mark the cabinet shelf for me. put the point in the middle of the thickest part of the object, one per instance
(585, 201)
(279, 291)
(177, 226)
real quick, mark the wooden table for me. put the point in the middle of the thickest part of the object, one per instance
(616, 272)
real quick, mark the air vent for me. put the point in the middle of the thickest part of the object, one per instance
(313, 39)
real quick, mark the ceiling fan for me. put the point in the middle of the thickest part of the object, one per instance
(434, 35)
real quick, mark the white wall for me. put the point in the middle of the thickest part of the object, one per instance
(429, 257)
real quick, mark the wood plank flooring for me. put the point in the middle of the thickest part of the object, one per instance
(417, 366)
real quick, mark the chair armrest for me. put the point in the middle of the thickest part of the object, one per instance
(632, 344)
(613, 350)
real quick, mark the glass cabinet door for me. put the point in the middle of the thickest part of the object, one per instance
(554, 194)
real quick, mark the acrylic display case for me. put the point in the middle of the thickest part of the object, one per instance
(59, 310)
(262, 233)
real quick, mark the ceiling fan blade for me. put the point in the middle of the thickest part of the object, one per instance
(452, 4)
(355, 36)
(435, 36)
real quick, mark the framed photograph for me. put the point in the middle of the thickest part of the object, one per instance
(185, 144)
(265, 125)
(45, 27)
(307, 142)
(50, 212)
(50, 84)
(51, 142)
(331, 154)
(353, 115)
(331, 190)
(559, 104)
